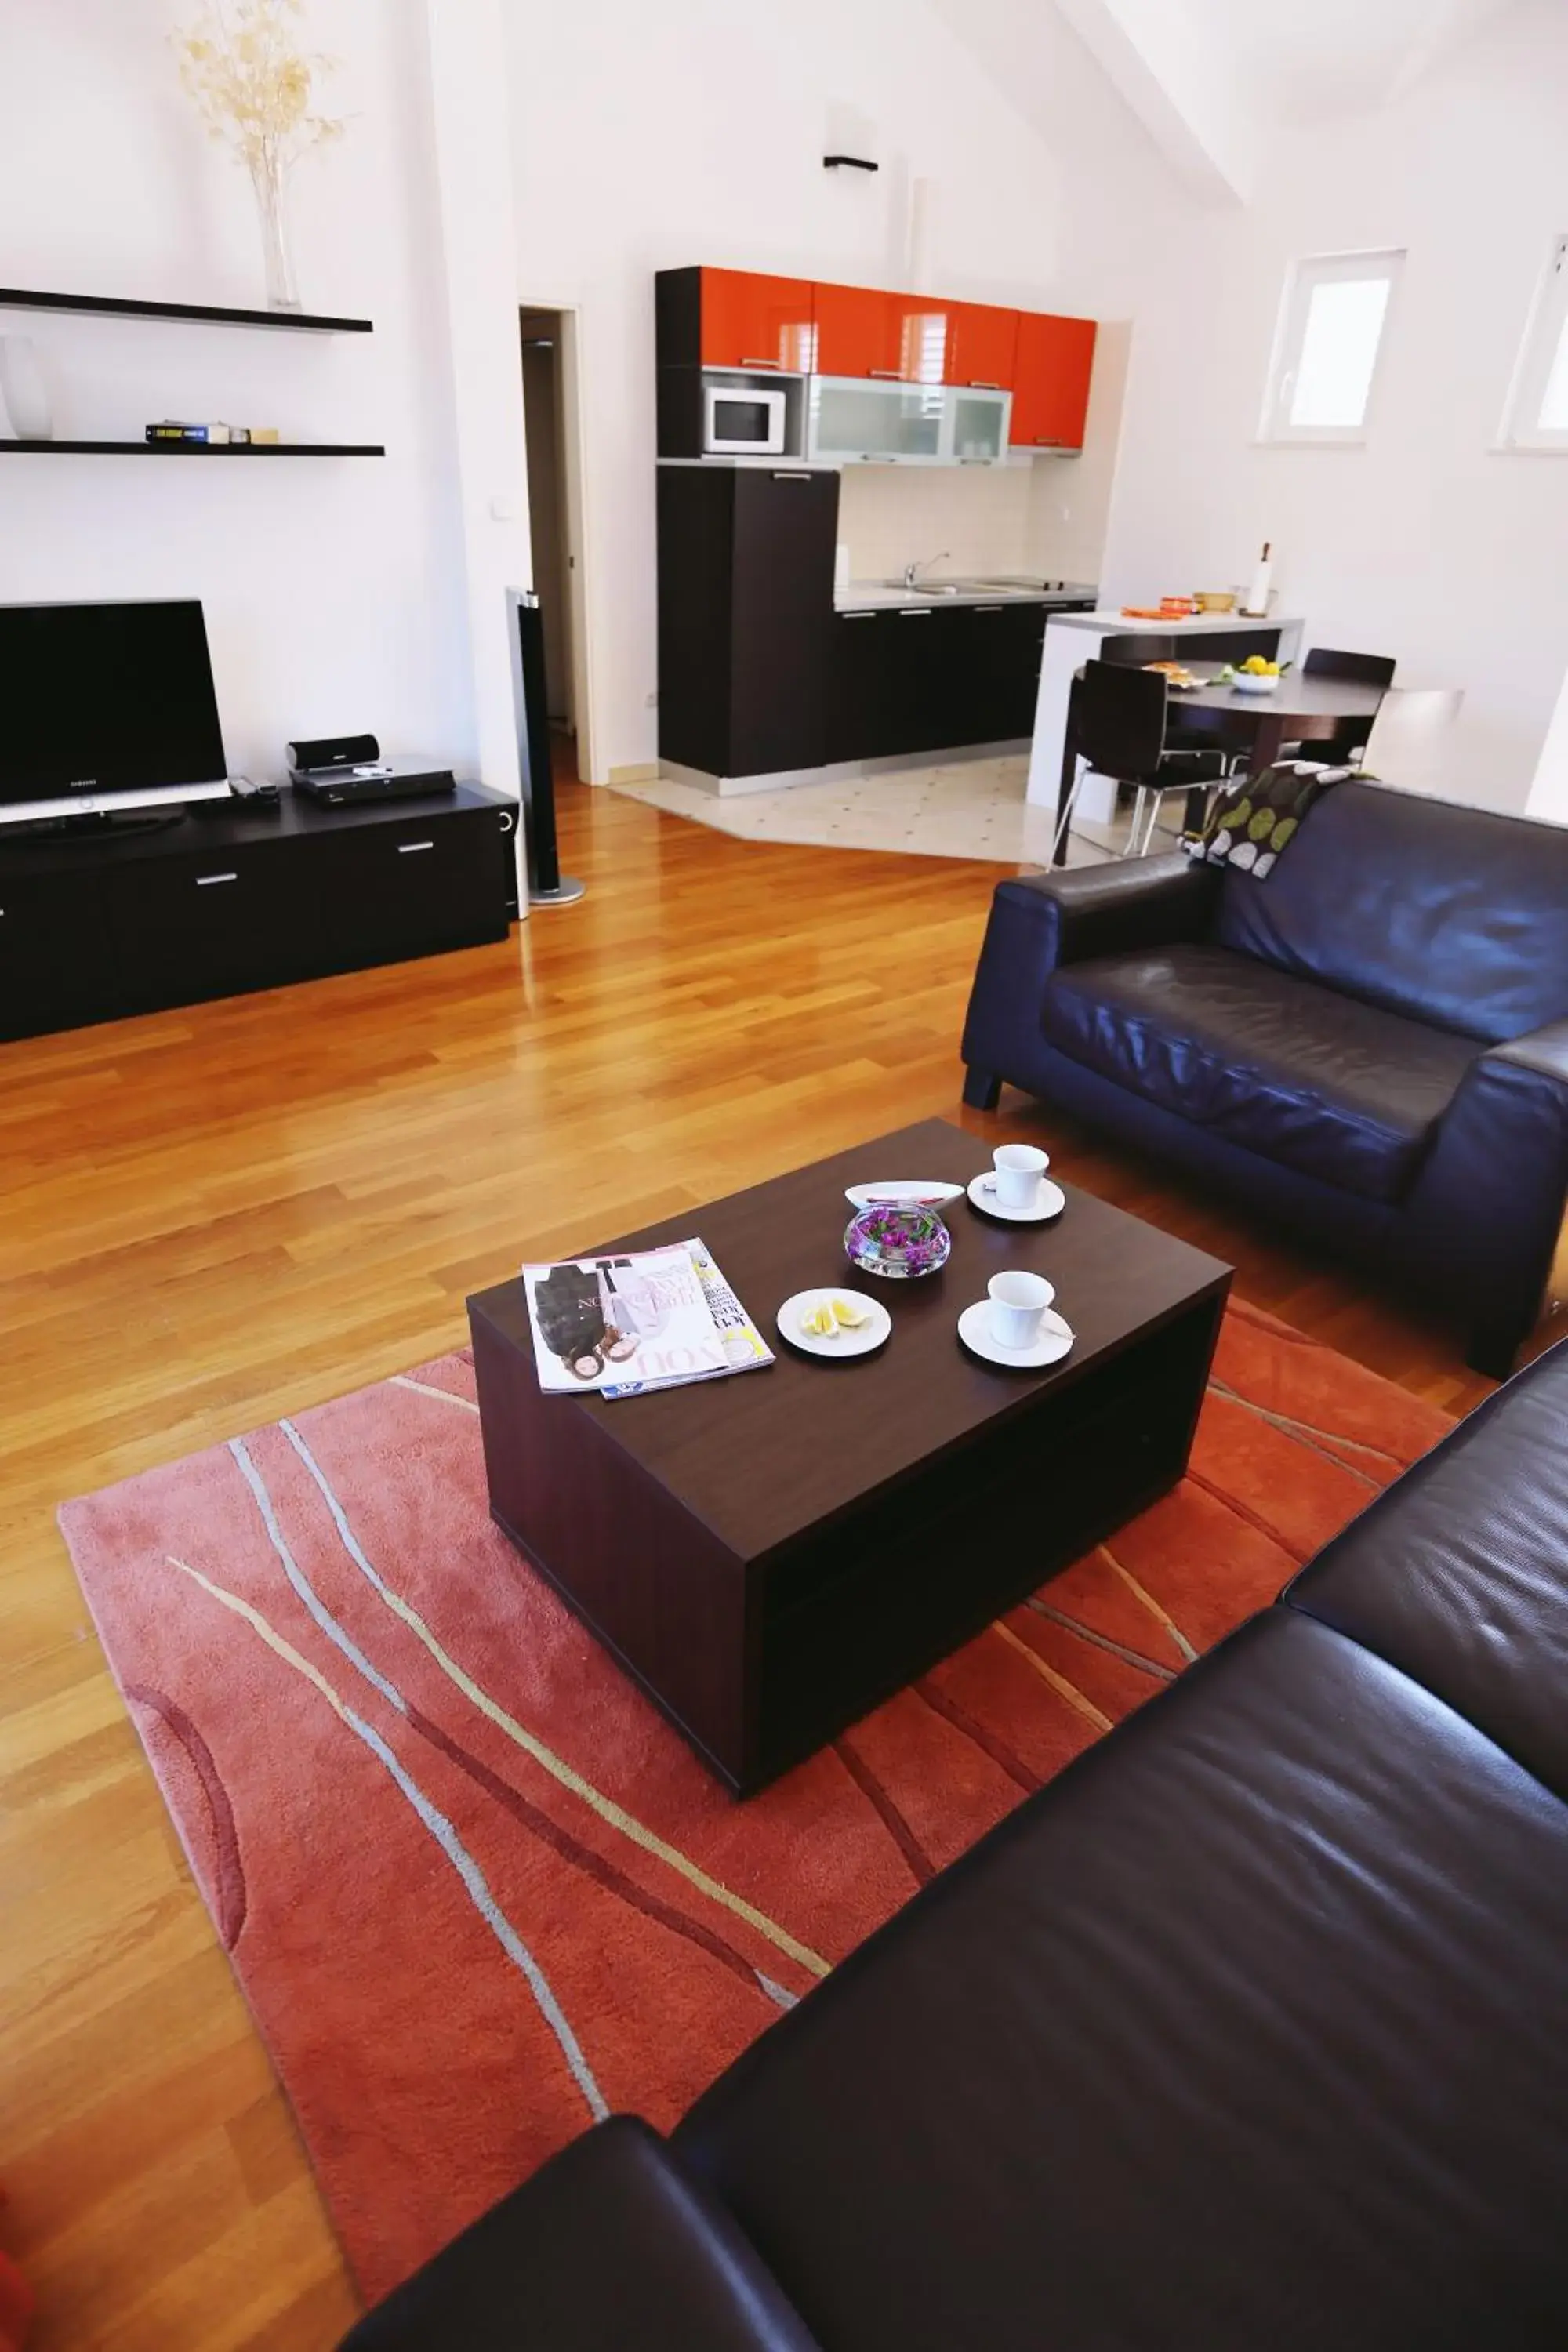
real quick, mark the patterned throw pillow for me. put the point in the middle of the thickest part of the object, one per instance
(1256, 819)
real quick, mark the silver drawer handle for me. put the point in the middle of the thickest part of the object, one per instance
(205, 880)
(772, 363)
(887, 375)
(801, 477)
(856, 617)
(916, 613)
(407, 848)
(987, 608)
(979, 384)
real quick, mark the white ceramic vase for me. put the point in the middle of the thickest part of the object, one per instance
(25, 389)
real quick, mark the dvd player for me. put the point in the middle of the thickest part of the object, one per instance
(371, 780)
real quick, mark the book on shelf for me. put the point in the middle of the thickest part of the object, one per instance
(624, 1325)
(209, 436)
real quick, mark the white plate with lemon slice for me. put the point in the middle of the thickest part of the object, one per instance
(836, 1325)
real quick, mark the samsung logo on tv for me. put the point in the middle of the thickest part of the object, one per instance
(82, 784)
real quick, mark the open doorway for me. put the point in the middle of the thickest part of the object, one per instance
(548, 355)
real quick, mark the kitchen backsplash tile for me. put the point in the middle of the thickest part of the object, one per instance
(893, 515)
(1045, 518)
(1008, 519)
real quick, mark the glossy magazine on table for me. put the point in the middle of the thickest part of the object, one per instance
(622, 1325)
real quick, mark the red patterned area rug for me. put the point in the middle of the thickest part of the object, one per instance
(475, 1890)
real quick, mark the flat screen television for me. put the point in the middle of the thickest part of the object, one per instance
(105, 707)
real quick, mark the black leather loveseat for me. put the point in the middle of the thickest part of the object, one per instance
(1370, 1046)
(1248, 2033)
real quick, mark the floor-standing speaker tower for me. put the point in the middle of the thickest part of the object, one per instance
(545, 885)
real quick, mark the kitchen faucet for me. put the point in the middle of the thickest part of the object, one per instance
(922, 564)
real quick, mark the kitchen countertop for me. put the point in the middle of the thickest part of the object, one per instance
(1109, 620)
(875, 595)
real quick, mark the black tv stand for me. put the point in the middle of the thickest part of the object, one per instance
(91, 825)
(96, 921)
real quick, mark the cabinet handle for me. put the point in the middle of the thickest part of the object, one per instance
(768, 364)
(985, 608)
(887, 375)
(980, 383)
(856, 617)
(205, 880)
(792, 477)
(915, 613)
(407, 848)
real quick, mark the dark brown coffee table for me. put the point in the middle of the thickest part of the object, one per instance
(769, 1556)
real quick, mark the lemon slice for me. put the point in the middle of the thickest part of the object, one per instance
(818, 1320)
(849, 1314)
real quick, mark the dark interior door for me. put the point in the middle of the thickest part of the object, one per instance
(785, 524)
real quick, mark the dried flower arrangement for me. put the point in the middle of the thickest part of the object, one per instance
(252, 84)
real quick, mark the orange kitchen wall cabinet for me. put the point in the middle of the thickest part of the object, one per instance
(857, 331)
(1050, 386)
(898, 338)
(751, 320)
(982, 345)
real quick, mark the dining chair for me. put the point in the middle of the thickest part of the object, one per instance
(1366, 669)
(1349, 741)
(1405, 741)
(1119, 731)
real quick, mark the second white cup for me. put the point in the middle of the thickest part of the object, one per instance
(1019, 1168)
(1018, 1301)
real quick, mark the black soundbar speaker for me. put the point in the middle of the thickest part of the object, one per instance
(334, 751)
(546, 887)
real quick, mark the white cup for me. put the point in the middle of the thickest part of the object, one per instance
(1019, 1168)
(1018, 1303)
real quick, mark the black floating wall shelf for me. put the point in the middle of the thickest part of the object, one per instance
(193, 448)
(17, 297)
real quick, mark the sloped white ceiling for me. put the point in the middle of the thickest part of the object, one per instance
(1313, 59)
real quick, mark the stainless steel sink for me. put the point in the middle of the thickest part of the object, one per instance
(928, 587)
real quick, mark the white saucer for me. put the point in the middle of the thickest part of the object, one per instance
(863, 1340)
(1049, 1202)
(902, 1190)
(1056, 1338)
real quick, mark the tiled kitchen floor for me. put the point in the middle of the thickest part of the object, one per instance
(967, 808)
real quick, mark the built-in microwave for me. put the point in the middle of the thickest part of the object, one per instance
(743, 421)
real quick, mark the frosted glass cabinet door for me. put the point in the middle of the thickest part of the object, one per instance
(852, 420)
(979, 428)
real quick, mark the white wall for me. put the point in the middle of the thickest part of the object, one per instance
(333, 589)
(655, 137)
(1427, 544)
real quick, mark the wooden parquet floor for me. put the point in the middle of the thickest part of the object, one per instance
(216, 1216)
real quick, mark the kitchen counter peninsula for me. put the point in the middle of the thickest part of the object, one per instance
(1073, 638)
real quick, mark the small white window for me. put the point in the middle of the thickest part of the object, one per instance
(1330, 331)
(1536, 413)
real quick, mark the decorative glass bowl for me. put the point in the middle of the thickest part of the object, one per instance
(897, 1243)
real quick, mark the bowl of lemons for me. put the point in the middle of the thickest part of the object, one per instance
(1255, 676)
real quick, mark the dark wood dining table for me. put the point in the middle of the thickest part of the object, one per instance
(1301, 708)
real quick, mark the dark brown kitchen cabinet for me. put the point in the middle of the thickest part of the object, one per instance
(868, 683)
(745, 612)
(1004, 647)
(907, 680)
